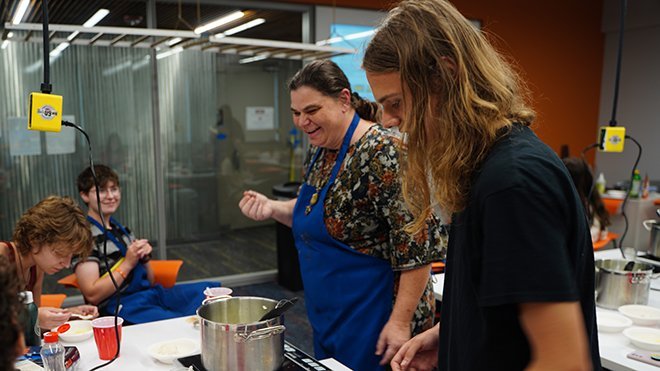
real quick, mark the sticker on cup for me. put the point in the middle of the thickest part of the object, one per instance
(105, 336)
(214, 292)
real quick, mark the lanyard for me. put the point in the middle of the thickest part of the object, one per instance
(121, 245)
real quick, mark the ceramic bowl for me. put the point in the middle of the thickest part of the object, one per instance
(612, 322)
(641, 314)
(168, 351)
(643, 337)
(78, 331)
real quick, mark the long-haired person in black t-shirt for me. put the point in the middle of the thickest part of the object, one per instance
(519, 290)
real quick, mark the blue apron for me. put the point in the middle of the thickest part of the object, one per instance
(141, 302)
(348, 294)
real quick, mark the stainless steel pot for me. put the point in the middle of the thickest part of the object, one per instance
(654, 243)
(234, 339)
(616, 287)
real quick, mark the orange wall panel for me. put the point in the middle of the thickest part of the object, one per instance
(558, 48)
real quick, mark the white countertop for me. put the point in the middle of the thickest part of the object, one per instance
(614, 347)
(136, 340)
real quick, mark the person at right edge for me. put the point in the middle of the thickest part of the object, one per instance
(519, 283)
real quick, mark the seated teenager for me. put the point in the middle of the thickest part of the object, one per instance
(45, 238)
(128, 257)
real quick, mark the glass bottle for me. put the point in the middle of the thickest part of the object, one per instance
(635, 185)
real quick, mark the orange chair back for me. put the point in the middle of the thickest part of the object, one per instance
(52, 300)
(69, 281)
(612, 205)
(166, 271)
(600, 244)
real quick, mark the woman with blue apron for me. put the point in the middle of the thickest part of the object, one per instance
(349, 227)
(348, 294)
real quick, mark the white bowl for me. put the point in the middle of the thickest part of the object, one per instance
(641, 314)
(644, 337)
(168, 351)
(78, 331)
(615, 193)
(612, 322)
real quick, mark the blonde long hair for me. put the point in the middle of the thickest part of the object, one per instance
(462, 92)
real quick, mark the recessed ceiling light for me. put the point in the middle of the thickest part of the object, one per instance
(20, 11)
(219, 22)
(96, 18)
(242, 27)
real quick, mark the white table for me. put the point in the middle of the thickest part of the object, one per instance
(614, 347)
(136, 340)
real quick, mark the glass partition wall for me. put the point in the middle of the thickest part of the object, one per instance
(222, 127)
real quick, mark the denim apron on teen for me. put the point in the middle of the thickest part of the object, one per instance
(140, 301)
(348, 294)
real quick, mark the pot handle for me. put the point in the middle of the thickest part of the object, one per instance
(244, 337)
(648, 224)
(215, 298)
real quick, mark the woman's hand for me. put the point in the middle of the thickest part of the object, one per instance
(137, 250)
(85, 311)
(50, 318)
(392, 337)
(256, 206)
(419, 353)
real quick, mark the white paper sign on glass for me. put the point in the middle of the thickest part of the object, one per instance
(23, 142)
(63, 142)
(259, 118)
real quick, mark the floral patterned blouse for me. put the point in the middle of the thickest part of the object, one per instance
(365, 209)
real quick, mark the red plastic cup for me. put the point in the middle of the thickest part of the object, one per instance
(105, 337)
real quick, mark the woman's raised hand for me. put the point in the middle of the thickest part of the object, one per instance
(256, 206)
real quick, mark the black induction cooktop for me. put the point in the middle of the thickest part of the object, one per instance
(294, 360)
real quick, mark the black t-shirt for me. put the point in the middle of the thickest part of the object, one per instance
(523, 237)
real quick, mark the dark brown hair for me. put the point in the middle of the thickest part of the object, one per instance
(9, 309)
(328, 79)
(104, 174)
(583, 180)
(55, 221)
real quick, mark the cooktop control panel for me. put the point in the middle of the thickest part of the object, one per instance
(294, 360)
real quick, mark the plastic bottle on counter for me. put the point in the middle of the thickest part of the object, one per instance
(29, 319)
(601, 183)
(646, 185)
(635, 185)
(52, 352)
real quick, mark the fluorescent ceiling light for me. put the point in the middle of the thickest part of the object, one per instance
(169, 52)
(73, 35)
(174, 41)
(96, 18)
(242, 27)
(20, 11)
(353, 36)
(259, 57)
(219, 22)
(59, 49)
(5, 44)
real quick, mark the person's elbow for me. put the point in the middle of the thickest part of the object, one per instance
(92, 296)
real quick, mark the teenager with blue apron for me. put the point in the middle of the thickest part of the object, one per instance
(348, 294)
(140, 301)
